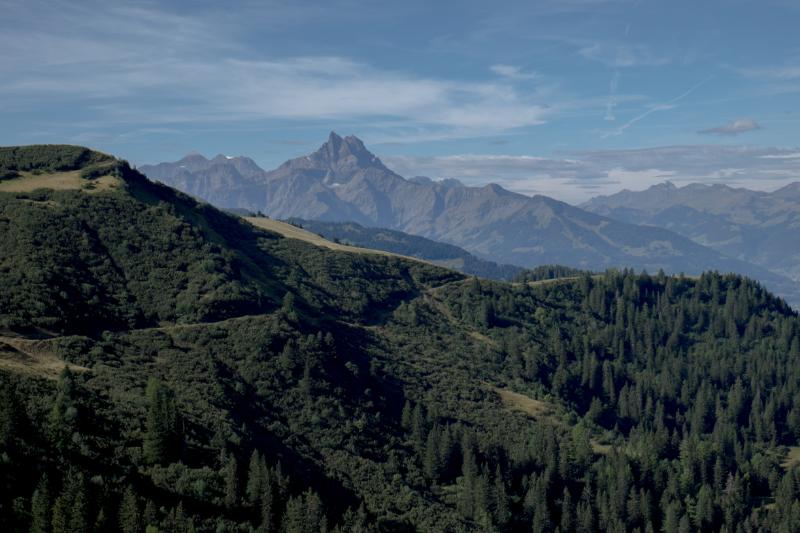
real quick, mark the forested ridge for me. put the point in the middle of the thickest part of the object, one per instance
(223, 378)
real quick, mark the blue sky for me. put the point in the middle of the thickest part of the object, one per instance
(569, 98)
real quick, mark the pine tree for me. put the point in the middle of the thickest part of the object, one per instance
(70, 508)
(567, 518)
(288, 307)
(432, 465)
(268, 507)
(704, 510)
(406, 417)
(671, 519)
(162, 437)
(541, 514)
(78, 521)
(40, 508)
(469, 473)
(294, 517)
(129, 518)
(150, 516)
(683, 525)
(61, 515)
(314, 513)
(585, 514)
(304, 514)
(482, 511)
(62, 421)
(502, 514)
(256, 473)
(182, 524)
(231, 483)
(418, 429)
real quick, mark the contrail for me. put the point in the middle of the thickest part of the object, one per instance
(612, 97)
(660, 107)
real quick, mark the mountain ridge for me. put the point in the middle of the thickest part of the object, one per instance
(343, 182)
(755, 226)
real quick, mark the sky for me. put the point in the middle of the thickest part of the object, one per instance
(568, 98)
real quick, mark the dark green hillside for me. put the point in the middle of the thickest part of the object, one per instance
(48, 157)
(224, 378)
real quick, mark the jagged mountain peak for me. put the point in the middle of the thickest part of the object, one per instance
(348, 150)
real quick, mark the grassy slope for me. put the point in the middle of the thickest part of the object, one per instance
(59, 181)
(293, 232)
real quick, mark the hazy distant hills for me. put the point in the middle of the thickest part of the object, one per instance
(343, 181)
(754, 226)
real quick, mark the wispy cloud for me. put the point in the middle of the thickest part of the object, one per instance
(736, 127)
(513, 72)
(611, 103)
(794, 155)
(785, 72)
(162, 68)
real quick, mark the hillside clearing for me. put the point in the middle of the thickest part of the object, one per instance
(525, 404)
(59, 181)
(792, 458)
(540, 410)
(32, 357)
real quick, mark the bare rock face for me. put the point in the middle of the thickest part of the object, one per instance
(344, 182)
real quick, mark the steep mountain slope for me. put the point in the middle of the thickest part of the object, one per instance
(344, 182)
(753, 226)
(225, 378)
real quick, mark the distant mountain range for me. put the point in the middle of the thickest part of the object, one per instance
(344, 182)
(754, 226)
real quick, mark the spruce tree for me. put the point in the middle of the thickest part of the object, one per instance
(129, 517)
(40, 508)
(60, 520)
(150, 516)
(78, 521)
(162, 438)
(256, 471)
(567, 517)
(268, 507)
(502, 513)
(62, 421)
(231, 483)
(432, 461)
(294, 517)
(406, 416)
